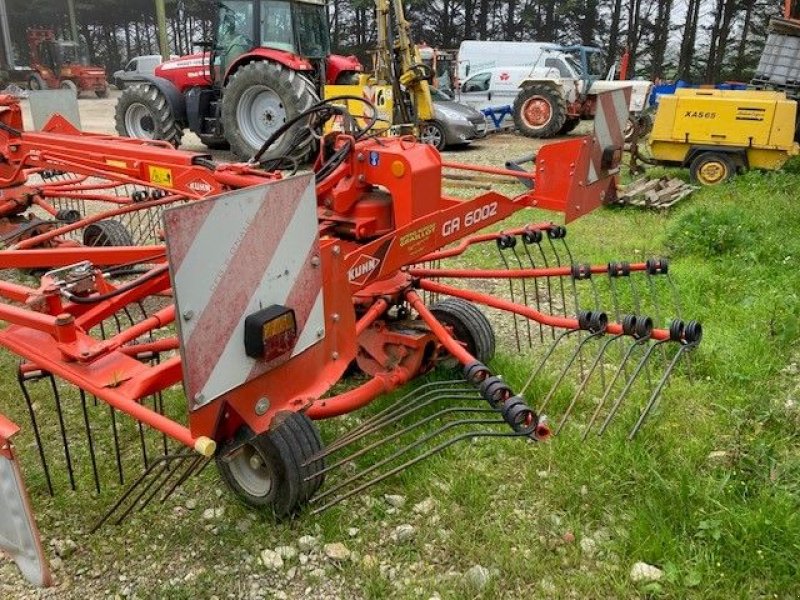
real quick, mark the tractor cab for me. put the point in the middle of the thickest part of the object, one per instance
(298, 28)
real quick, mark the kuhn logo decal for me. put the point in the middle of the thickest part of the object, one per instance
(365, 266)
(200, 186)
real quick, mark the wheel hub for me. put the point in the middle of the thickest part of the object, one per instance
(537, 112)
(139, 122)
(712, 172)
(259, 114)
(251, 471)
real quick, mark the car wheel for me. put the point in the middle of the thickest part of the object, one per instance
(432, 133)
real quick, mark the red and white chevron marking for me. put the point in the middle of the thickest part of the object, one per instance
(232, 256)
(610, 118)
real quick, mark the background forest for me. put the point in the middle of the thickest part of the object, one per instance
(697, 40)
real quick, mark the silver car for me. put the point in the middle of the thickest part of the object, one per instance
(454, 123)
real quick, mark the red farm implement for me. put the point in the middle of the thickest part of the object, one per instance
(262, 297)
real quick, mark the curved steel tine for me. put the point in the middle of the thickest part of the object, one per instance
(658, 389)
(545, 358)
(628, 353)
(536, 288)
(413, 461)
(596, 295)
(399, 433)
(467, 394)
(89, 439)
(399, 404)
(628, 384)
(549, 286)
(35, 425)
(585, 381)
(560, 279)
(63, 429)
(524, 296)
(577, 310)
(566, 367)
(511, 291)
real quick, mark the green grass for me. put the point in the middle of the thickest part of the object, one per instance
(719, 528)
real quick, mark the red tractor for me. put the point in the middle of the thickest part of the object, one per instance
(270, 60)
(61, 64)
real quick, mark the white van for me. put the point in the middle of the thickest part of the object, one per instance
(478, 55)
(138, 65)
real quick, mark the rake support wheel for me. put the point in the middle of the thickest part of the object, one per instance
(269, 470)
(469, 325)
(107, 232)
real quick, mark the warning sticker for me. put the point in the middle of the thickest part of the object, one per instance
(160, 175)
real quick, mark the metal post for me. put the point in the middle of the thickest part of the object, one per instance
(161, 22)
(73, 21)
(7, 59)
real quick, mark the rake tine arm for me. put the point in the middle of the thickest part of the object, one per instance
(373, 312)
(585, 381)
(468, 241)
(563, 271)
(690, 337)
(417, 459)
(526, 311)
(394, 436)
(368, 424)
(374, 425)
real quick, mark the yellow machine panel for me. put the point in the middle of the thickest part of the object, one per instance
(380, 96)
(753, 129)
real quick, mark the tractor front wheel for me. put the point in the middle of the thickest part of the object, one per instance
(468, 325)
(269, 470)
(259, 98)
(68, 84)
(540, 111)
(36, 82)
(711, 168)
(143, 112)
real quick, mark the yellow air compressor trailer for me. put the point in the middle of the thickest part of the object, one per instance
(717, 133)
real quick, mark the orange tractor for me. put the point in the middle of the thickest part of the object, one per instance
(62, 64)
(222, 311)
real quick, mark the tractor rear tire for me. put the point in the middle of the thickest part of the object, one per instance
(36, 82)
(267, 470)
(259, 98)
(143, 112)
(106, 233)
(468, 325)
(540, 111)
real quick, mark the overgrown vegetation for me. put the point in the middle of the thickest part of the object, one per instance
(709, 491)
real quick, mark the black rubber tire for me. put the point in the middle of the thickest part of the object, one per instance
(165, 125)
(569, 125)
(703, 160)
(469, 325)
(214, 143)
(441, 144)
(36, 82)
(296, 94)
(558, 111)
(106, 233)
(70, 85)
(101, 93)
(284, 449)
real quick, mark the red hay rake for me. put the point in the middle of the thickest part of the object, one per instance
(261, 298)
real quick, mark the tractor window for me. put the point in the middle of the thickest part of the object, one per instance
(276, 25)
(311, 22)
(235, 30)
(560, 66)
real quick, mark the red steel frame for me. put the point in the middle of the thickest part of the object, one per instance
(411, 223)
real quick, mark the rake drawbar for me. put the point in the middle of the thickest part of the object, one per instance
(255, 293)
